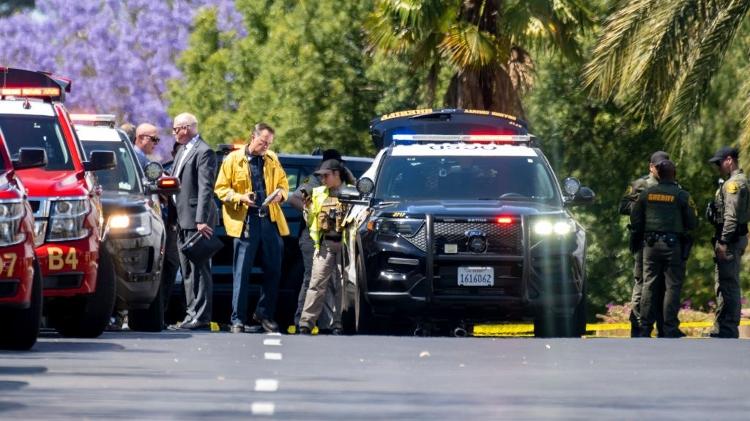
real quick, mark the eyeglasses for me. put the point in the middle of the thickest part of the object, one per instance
(178, 128)
(154, 139)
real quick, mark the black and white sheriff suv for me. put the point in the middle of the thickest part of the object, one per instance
(459, 221)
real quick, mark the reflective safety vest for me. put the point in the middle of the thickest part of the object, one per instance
(325, 215)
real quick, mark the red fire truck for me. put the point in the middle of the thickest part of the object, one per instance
(78, 276)
(20, 276)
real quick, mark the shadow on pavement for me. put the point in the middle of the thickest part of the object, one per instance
(21, 371)
(74, 346)
(11, 406)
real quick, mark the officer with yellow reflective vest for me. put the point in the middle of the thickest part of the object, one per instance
(325, 221)
(662, 217)
(729, 212)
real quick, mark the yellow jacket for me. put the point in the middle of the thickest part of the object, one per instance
(234, 180)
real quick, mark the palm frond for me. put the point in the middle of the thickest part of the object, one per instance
(660, 49)
(744, 139)
(546, 25)
(690, 91)
(467, 47)
(602, 74)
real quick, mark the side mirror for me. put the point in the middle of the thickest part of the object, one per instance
(584, 196)
(165, 185)
(30, 158)
(365, 186)
(351, 195)
(153, 170)
(100, 160)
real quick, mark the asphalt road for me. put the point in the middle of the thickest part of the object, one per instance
(175, 375)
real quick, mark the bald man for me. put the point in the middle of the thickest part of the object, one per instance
(146, 138)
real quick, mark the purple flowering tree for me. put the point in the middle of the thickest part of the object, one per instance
(119, 53)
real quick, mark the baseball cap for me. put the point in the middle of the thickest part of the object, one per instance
(658, 156)
(329, 165)
(723, 153)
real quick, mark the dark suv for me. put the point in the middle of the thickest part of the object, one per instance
(134, 232)
(298, 168)
(461, 220)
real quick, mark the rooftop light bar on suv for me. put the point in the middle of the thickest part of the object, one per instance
(106, 120)
(444, 138)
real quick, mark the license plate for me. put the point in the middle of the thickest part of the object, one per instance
(470, 276)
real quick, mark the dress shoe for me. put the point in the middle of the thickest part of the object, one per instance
(304, 330)
(195, 325)
(268, 325)
(337, 331)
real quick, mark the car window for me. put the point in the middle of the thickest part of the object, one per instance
(124, 177)
(292, 176)
(23, 131)
(465, 178)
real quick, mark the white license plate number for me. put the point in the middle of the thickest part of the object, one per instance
(470, 276)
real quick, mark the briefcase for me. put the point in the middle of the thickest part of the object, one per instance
(198, 248)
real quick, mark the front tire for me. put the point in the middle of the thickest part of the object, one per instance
(87, 318)
(19, 328)
(150, 319)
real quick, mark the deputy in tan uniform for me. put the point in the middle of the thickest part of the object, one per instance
(662, 216)
(325, 222)
(626, 207)
(731, 213)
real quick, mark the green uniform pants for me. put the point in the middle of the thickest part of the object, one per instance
(325, 268)
(727, 275)
(635, 299)
(663, 270)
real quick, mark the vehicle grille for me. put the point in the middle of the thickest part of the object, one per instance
(419, 240)
(501, 239)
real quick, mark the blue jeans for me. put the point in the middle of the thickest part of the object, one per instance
(264, 236)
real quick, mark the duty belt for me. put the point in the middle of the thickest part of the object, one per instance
(332, 237)
(670, 238)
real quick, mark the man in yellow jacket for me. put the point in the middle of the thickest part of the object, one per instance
(251, 185)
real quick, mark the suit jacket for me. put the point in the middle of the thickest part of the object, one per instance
(195, 201)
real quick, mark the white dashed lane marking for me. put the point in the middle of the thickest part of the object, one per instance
(263, 408)
(272, 342)
(272, 355)
(266, 385)
(274, 334)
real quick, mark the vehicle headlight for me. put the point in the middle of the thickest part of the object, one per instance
(406, 227)
(549, 227)
(133, 224)
(67, 220)
(11, 213)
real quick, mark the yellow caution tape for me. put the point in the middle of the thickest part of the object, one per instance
(524, 329)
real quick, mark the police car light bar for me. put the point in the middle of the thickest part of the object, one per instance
(95, 119)
(30, 92)
(486, 138)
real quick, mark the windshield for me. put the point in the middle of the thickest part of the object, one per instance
(465, 178)
(124, 177)
(22, 131)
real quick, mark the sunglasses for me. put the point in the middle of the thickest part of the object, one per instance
(154, 139)
(177, 129)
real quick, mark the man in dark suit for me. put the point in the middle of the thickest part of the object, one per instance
(195, 166)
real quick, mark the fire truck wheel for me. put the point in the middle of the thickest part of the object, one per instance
(19, 328)
(89, 318)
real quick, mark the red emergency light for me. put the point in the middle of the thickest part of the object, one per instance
(504, 220)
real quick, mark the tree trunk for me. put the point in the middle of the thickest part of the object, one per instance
(487, 89)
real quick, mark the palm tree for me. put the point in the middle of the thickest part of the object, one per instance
(658, 58)
(483, 42)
